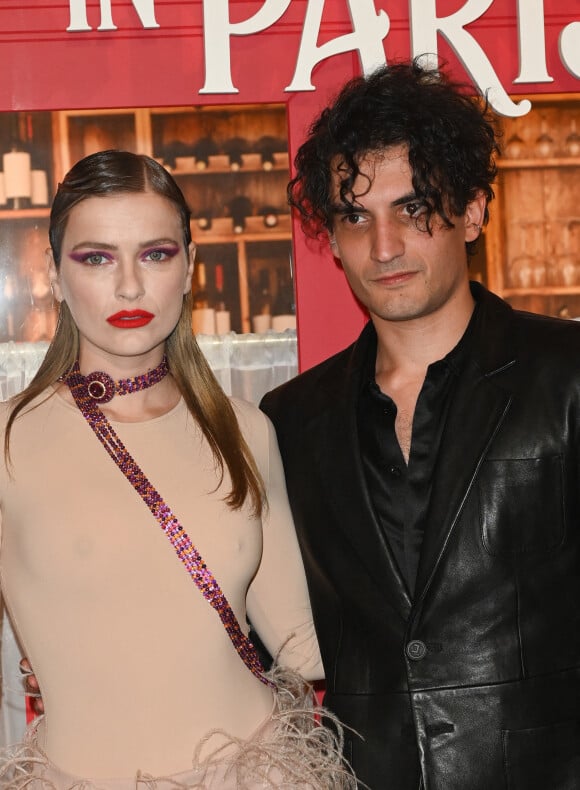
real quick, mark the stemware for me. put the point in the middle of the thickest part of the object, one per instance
(572, 141)
(544, 145)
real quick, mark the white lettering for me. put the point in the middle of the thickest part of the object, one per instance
(532, 42)
(369, 30)
(425, 24)
(569, 46)
(217, 32)
(78, 15)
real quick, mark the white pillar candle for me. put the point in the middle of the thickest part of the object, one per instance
(222, 322)
(282, 322)
(204, 321)
(16, 166)
(39, 188)
(2, 191)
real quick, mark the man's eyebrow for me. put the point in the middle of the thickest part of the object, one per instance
(352, 208)
(408, 198)
(347, 208)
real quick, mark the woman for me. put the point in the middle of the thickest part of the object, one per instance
(144, 514)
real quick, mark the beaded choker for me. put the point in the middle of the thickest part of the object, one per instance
(102, 388)
(178, 537)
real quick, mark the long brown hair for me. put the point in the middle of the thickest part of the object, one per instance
(114, 172)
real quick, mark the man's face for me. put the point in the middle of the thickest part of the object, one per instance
(395, 267)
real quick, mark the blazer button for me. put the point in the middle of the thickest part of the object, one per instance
(416, 650)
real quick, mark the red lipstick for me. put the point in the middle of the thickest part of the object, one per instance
(130, 319)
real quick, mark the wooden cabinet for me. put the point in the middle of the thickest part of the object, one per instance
(224, 159)
(532, 242)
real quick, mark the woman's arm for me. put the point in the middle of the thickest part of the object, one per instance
(278, 603)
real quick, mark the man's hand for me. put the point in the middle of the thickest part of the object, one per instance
(31, 688)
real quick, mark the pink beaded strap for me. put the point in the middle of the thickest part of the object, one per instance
(178, 537)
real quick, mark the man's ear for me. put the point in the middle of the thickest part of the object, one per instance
(474, 216)
(53, 277)
(333, 245)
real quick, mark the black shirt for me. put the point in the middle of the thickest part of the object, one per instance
(401, 492)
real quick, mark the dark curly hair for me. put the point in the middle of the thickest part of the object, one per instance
(451, 140)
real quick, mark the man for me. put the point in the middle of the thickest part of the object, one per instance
(433, 467)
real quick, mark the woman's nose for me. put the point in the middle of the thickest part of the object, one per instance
(129, 282)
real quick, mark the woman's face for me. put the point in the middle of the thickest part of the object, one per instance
(124, 271)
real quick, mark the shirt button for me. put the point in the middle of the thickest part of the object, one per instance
(416, 650)
(395, 471)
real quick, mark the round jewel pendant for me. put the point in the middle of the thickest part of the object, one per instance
(100, 387)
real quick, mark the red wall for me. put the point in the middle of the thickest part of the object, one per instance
(45, 67)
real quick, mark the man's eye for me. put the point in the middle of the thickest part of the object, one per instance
(352, 219)
(415, 209)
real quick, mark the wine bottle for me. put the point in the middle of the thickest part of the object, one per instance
(17, 167)
(239, 207)
(203, 219)
(222, 314)
(173, 150)
(284, 305)
(203, 318)
(270, 216)
(202, 150)
(262, 318)
(235, 148)
(267, 146)
(200, 294)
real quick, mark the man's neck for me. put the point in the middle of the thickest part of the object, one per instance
(409, 347)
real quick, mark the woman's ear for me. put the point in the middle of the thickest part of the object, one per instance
(53, 277)
(191, 250)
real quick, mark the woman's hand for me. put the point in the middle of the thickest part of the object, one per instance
(31, 688)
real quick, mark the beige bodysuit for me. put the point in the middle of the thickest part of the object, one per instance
(134, 665)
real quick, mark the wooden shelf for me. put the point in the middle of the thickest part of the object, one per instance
(538, 163)
(25, 213)
(544, 290)
(212, 171)
(281, 232)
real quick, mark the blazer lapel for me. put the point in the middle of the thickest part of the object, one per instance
(476, 414)
(477, 411)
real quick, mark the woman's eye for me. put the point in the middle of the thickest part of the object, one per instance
(158, 255)
(94, 258)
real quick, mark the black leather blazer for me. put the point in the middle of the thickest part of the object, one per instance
(475, 683)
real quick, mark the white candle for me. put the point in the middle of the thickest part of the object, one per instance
(204, 321)
(222, 322)
(17, 179)
(39, 188)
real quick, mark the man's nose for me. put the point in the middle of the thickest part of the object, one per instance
(387, 241)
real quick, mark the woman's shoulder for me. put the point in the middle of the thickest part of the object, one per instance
(32, 407)
(255, 427)
(249, 416)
